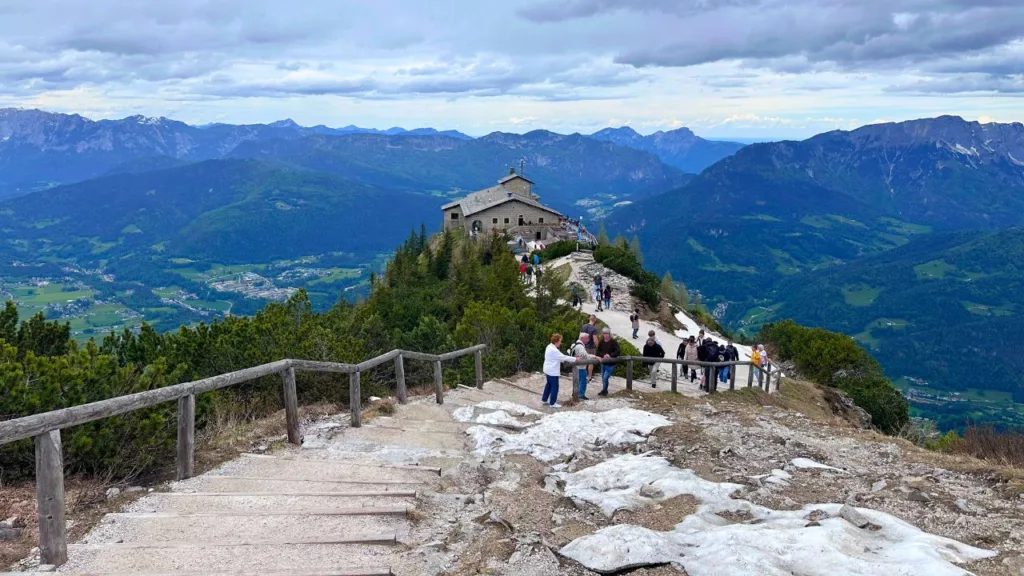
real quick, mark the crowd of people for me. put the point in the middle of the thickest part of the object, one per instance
(590, 346)
(529, 268)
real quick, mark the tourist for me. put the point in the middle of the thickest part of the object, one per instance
(634, 319)
(607, 349)
(711, 372)
(522, 272)
(590, 328)
(608, 297)
(653, 349)
(691, 355)
(597, 292)
(765, 365)
(553, 357)
(576, 302)
(536, 259)
(579, 351)
(729, 354)
(755, 359)
(529, 274)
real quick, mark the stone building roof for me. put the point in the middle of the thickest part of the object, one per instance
(494, 196)
(511, 177)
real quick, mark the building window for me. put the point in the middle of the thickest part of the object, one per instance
(506, 220)
(540, 220)
(494, 220)
(455, 215)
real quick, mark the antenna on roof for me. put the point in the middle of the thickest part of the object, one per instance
(522, 165)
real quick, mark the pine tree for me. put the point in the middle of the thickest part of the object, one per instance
(602, 236)
(683, 295)
(668, 289)
(620, 242)
(634, 245)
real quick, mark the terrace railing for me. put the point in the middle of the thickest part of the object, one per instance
(764, 373)
(45, 428)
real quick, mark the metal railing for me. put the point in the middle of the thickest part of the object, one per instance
(764, 373)
(45, 428)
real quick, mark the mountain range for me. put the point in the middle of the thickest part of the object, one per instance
(680, 148)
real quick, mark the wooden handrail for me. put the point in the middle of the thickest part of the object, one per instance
(45, 428)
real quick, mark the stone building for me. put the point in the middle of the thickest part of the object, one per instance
(510, 207)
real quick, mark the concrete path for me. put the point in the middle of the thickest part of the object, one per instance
(363, 501)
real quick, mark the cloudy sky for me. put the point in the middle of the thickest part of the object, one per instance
(726, 68)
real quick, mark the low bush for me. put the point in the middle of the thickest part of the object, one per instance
(646, 286)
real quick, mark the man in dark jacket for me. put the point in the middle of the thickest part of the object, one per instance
(711, 352)
(653, 349)
(607, 349)
(729, 354)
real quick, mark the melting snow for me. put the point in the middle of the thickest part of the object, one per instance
(1014, 160)
(510, 407)
(808, 463)
(500, 418)
(967, 151)
(562, 434)
(615, 484)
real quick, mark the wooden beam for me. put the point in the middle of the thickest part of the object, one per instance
(675, 377)
(355, 400)
(478, 364)
(353, 511)
(377, 361)
(575, 382)
(732, 377)
(629, 374)
(439, 382)
(53, 536)
(291, 406)
(30, 426)
(460, 353)
(386, 538)
(420, 356)
(352, 494)
(314, 366)
(400, 379)
(750, 375)
(186, 436)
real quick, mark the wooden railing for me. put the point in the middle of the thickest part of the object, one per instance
(764, 374)
(45, 428)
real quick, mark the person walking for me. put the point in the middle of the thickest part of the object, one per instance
(536, 259)
(653, 349)
(529, 274)
(608, 297)
(755, 359)
(711, 373)
(522, 271)
(553, 359)
(597, 292)
(576, 302)
(691, 355)
(766, 366)
(634, 320)
(579, 351)
(731, 354)
(590, 329)
(607, 349)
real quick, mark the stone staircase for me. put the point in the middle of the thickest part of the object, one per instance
(363, 501)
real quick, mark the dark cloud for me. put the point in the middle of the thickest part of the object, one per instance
(976, 83)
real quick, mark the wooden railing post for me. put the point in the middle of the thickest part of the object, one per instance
(629, 374)
(750, 375)
(768, 378)
(438, 382)
(675, 377)
(53, 536)
(575, 381)
(760, 379)
(478, 361)
(186, 436)
(778, 381)
(291, 406)
(355, 400)
(732, 376)
(400, 379)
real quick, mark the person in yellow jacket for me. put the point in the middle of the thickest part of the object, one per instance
(755, 357)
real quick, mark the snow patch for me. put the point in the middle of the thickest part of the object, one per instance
(464, 413)
(777, 543)
(965, 151)
(1014, 160)
(501, 418)
(562, 434)
(510, 407)
(615, 484)
(808, 463)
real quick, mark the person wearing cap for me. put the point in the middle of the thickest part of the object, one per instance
(579, 350)
(607, 348)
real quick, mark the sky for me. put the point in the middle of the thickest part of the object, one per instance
(753, 69)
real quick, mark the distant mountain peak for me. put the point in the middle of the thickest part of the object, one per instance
(679, 147)
(286, 123)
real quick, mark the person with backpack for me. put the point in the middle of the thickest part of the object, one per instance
(522, 272)
(731, 355)
(529, 275)
(608, 297)
(576, 302)
(653, 349)
(590, 328)
(691, 355)
(536, 259)
(634, 320)
(755, 359)
(579, 351)
(597, 292)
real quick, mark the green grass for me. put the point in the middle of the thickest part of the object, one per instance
(717, 265)
(900, 227)
(860, 295)
(338, 274)
(787, 265)
(762, 217)
(936, 269)
(159, 247)
(38, 297)
(893, 238)
(1005, 309)
(218, 305)
(816, 222)
(180, 261)
(131, 229)
(847, 221)
(887, 323)
(47, 223)
(100, 247)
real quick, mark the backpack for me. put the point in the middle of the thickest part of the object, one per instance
(597, 280)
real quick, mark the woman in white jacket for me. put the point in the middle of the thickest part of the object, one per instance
(553, 358)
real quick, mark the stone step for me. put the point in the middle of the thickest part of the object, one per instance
(378, 571)
(190, 504)
(217, 483)
(212, 528)
(268, 557)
